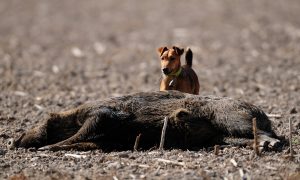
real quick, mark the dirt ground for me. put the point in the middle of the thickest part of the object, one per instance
(56, 55)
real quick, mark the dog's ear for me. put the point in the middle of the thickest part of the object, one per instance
(161, 50)
(178, 50)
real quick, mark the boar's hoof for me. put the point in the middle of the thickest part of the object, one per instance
(53, 147)
(44, 148)
(267, 143)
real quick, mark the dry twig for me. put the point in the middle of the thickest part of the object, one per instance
(291, 138)
(234, 163)
(77, 156)
(137, 142)
(216, 149)
(255, 143)
(274, 115)
(163, 134)
(170, 162)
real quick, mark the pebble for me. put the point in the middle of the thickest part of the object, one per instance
(124, 154)
(2, 152)
(76, 52)
(100, 48)
(114, 165)
(34, 158)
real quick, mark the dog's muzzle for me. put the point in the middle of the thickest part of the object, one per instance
(166, 71)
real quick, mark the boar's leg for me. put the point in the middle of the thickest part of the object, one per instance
(82, 146)
(268, 142)
(94, 126)
(57, 127)
(89, 126)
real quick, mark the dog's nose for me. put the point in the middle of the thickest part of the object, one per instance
(165, 71)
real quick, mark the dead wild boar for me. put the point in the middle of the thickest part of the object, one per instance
(113, 124)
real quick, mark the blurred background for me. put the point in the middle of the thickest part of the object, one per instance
(109, 47)
(59, 53)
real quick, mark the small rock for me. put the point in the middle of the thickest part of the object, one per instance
(2, 152)
(114, 165)
(76, 52)
(34, 158)
(38, 98)
(100, 48)
(55, 69)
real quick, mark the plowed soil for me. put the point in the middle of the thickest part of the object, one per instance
(56, 55)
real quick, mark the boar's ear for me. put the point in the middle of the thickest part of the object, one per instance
(178, 50)
(11, 143)
(161, 50)
(181, 113)
(53, 115)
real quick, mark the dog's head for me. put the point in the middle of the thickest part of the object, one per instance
(170, 59)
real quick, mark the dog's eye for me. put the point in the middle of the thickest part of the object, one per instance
(162, 58)
(172, 59)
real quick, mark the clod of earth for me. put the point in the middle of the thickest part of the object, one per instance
(114, 123)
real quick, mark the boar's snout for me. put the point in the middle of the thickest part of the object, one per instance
(11, 143)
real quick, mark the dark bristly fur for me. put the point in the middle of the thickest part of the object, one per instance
(113, 124)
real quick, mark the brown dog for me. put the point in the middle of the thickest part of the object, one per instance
(177, 77)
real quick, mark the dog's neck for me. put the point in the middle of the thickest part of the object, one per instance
(171, 79)
(174, 74)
